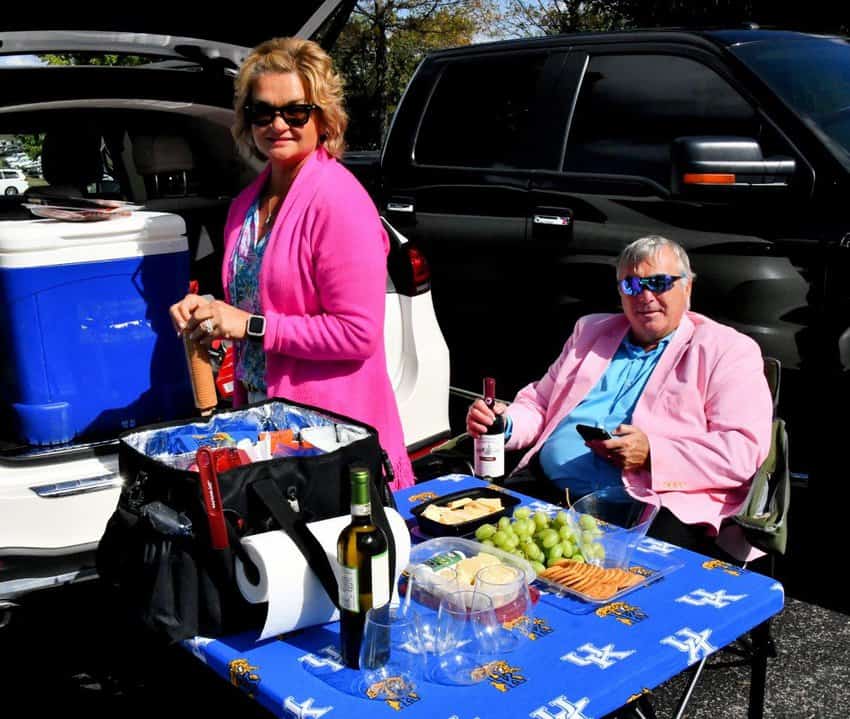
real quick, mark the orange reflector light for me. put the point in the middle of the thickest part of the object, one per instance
(695, 178)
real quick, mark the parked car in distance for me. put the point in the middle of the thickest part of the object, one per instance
(12, 182)
(161, 131)
(736, 144)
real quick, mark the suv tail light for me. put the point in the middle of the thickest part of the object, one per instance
(409, 270)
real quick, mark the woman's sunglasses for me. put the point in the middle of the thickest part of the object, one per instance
(633, 286)
(294, 115)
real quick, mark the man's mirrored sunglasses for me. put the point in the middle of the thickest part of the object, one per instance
(294, 115)
(633, 286)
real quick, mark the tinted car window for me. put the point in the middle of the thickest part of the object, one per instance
(480, 114)
(631, 107)
(812, 75)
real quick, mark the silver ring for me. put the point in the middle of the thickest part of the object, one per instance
(207, 326)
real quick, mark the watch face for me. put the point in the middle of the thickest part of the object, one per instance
(256, 326)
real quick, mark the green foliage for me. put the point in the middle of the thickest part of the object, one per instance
(94, 59)
(381, 46)
(32, 144)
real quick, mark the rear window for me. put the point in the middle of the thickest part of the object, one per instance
(480, 114)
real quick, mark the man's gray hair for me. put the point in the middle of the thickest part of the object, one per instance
(648, 247)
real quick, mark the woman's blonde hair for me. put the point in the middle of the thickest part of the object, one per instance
(322, 85)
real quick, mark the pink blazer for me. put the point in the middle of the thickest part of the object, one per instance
(706, 410)
(322, 291)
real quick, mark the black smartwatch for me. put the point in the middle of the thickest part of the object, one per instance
(255, 328)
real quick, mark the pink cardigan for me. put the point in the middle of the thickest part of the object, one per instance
(706, 410)
(322, 291)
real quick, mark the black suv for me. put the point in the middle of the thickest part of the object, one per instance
(522, 168)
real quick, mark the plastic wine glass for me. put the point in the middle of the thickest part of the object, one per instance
(508, 589)
(467, 640)
(392, 660)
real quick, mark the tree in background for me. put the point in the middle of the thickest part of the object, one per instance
(383, 43)
(524, 18)
(549, 17)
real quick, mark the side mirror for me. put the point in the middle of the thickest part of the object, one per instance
(713, 167)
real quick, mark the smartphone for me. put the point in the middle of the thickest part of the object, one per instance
(589, 433)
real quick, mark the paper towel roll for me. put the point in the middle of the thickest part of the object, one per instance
(295, 595)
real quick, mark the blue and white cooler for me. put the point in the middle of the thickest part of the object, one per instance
(87, 349)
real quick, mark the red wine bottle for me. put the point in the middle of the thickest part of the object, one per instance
(490, 447)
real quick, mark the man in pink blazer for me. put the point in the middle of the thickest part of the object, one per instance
(699, 427)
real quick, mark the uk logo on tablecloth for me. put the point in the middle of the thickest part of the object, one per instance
(197, 644)
(704, 598)
(655, 546)
(602, 657)
(328, 659)
(303, 710)
(562, 708)
(694, 644)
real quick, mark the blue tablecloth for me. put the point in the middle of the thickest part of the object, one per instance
(583, 660)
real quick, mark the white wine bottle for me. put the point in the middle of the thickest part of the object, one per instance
(490, 447)
(364, 561)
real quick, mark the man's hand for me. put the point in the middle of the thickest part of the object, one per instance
(629, 448)
(480, 417)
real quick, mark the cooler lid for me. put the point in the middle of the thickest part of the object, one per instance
(42, 243)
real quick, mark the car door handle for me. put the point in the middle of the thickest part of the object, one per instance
(405, 207)
(556, 220)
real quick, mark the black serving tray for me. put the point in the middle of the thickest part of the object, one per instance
(435, 529)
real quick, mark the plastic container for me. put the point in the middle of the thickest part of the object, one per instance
(427, 558)
(621, 517)
(89, 350)
(434, 528)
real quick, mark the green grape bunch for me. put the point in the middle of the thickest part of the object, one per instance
(544, 540)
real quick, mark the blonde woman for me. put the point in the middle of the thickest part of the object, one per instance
(304, 253)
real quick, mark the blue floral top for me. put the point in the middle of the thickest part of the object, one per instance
(245, 294)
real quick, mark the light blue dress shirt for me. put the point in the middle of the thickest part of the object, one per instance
(564, 457)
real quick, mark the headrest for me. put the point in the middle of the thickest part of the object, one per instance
(155, 154)
(71, 156)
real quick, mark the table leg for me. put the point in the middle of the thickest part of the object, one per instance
(762, 649)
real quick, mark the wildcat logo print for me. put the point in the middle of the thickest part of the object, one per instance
(502, 675)
(244, 675)
(532, 628)
(603, 657)
(624, 613)
(704, 598)
(303, 710)
(421, 497)
(564, 709)
(730, 569)
(396, 691)
(694, 644)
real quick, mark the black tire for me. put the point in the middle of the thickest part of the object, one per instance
(11, 191)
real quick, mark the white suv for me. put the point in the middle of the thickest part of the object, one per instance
(164, 127)
(12, 182)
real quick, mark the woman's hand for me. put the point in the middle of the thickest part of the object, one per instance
(480, 417)
(205, 321)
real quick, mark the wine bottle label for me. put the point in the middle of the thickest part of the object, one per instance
(361, 510)
(349, 590)
(490, 455)
(380, 580)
